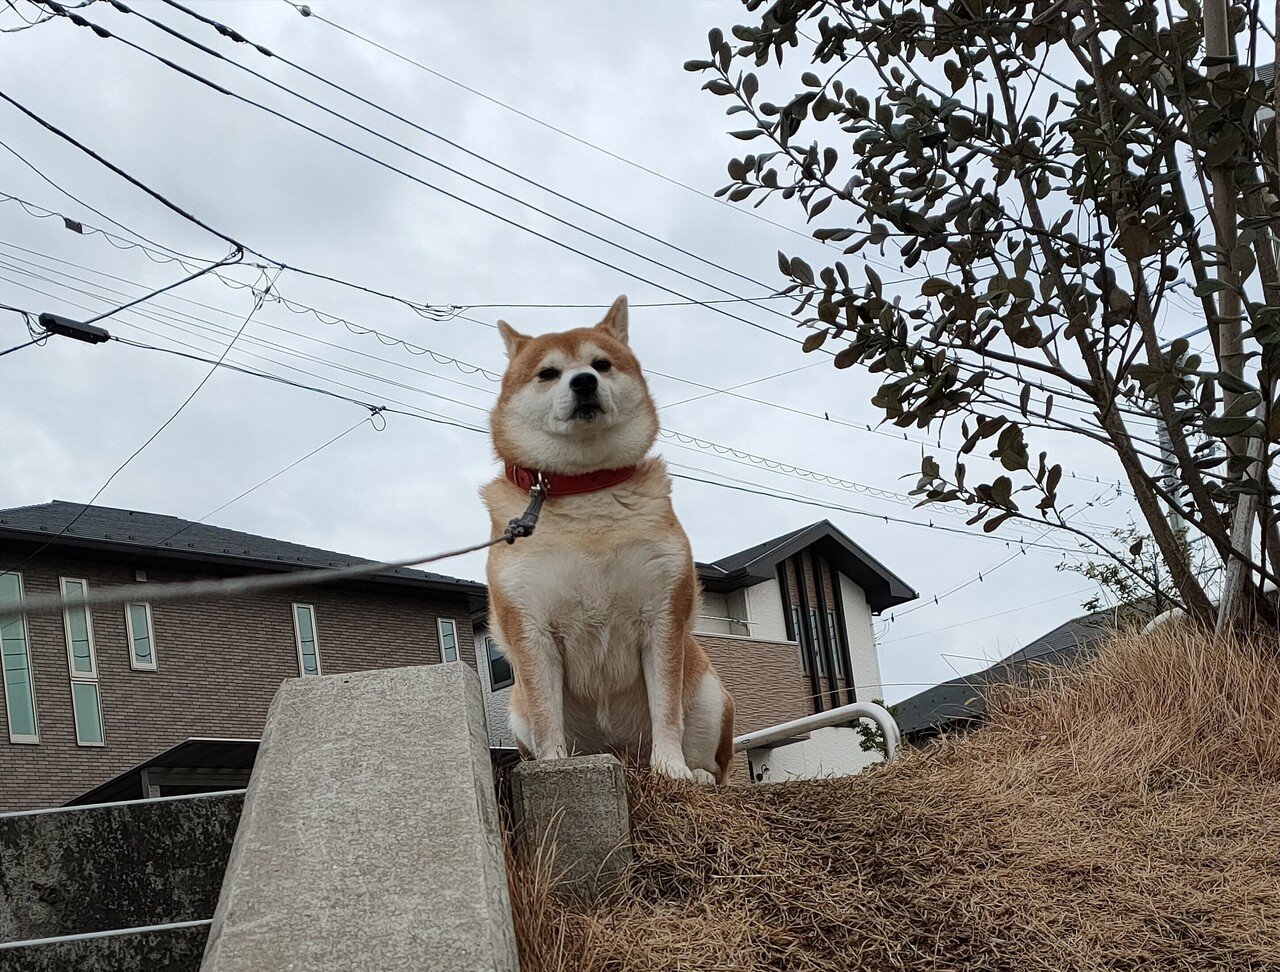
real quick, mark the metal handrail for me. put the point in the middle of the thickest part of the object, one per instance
(821, 720)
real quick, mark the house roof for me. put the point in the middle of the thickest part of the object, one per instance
(884, 588)
(961, 700)
(115, 531)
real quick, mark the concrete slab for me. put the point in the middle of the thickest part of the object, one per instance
(166, 948)
(574, 810)
(370, 836)
(116, 865)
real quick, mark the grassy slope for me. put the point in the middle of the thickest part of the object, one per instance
(1122, 816)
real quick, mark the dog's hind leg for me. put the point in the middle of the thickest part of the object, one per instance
(708, 711)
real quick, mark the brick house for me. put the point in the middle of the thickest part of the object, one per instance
(787, 623)
(93, 692)
(118, 702)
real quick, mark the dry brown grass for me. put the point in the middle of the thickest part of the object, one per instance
(1125, 815)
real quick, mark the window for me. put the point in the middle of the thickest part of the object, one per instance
(833, 634)
(817, 648)
(500, 673)
(15, 660)
(82, 662)
(448, 639)
(304, 627)
(142, 643)
(798, 628)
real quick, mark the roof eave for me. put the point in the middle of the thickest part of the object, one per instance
(459, 587)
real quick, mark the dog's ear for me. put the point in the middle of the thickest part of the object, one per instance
(512, 338)
(615, 322)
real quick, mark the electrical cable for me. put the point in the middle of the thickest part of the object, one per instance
(257, 305)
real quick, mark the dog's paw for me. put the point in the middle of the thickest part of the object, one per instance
(702, 776)
(672, 766)
(553, 752)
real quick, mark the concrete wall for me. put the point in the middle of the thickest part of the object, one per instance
(219, 664)
(835, 751)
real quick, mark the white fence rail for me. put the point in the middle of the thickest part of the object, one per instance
(842, 715)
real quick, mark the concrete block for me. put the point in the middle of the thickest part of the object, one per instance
(576, 811)
(117, 865)
(370, 836)
(166, 948)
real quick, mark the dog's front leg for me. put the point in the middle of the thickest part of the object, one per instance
(663, 665)
(543, 688)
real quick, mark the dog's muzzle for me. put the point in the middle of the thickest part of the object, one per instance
(586, 396)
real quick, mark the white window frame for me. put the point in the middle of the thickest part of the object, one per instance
(797, 623)
(20, 738)
(139, 666)
(457, 646)
(315, 641)
(82, 678)
(92, 674)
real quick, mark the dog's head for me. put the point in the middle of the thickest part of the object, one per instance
(575, 401)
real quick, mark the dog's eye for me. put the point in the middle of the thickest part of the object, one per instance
(548, 374)
(602, 364)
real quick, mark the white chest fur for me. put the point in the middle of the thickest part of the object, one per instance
(595, 584)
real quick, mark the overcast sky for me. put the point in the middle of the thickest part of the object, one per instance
(609, 73)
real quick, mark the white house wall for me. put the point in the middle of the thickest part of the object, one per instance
(862, 642)
(834, 751)
(764, 608)
(711, 618)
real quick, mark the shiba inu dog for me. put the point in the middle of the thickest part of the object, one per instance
(596, 609)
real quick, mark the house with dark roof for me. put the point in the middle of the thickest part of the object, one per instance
(96, 691)
(139, 700)
(787, 624)
(959, 704)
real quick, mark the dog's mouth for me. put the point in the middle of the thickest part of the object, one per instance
(586, 411)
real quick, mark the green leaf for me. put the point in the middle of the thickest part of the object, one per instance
(814, 341)
(747, 134)
(810, 80)
(1209, 286)
(1231, 383)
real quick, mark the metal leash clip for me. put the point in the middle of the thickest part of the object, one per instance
(522, 526)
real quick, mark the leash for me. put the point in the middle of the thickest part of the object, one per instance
(522, 526)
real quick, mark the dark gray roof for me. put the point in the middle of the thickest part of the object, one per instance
(884, 588)
(107, 529)
(961, 699)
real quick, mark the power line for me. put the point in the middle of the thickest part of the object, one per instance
(102, 31)
(725, 452)
(307, 11)
(236, 36)
(374, 413)
(19, 347)
(797, 498)
(856, 512)
(257, 305)
(988, 617)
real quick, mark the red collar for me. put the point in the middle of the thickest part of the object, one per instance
(566, 485)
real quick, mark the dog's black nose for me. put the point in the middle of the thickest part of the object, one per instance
(584, 383)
